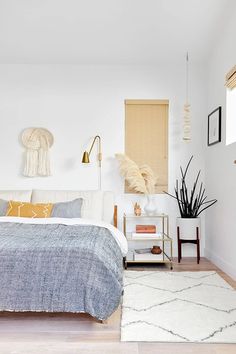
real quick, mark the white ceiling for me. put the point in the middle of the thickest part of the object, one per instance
(110, 31)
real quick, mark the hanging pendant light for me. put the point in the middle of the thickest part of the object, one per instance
(187, 121)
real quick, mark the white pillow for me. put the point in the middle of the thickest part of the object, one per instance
(18, 195)
(92, 207)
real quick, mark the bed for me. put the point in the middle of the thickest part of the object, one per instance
(61, 264)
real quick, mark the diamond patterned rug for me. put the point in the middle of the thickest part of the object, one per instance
(178, 307)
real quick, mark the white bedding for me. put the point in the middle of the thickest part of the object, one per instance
(117, 234)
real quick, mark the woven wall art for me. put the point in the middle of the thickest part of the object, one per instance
(37, 142)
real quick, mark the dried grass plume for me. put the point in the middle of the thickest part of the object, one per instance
(140, 179)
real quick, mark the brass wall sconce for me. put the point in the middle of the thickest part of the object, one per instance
(86, 156)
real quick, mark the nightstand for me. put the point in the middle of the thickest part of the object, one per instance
(140, 245)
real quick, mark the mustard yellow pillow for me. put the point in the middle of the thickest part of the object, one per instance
(29, 210)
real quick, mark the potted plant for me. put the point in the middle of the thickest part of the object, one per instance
(191, 203)
(141, 179)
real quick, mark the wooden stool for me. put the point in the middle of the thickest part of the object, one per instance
(195, 241)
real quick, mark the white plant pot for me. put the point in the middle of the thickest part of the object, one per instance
(150, 207)
(187, 228)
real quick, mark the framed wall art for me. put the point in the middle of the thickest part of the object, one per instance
(214, 127)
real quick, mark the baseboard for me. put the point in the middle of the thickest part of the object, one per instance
(221, 263)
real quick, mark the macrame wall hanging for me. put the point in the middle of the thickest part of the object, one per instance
(37, 142)
(187, 121)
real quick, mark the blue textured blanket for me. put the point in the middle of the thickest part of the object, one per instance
(59, 268)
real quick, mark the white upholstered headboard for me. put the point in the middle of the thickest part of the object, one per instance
(97, 205)
(20, 195)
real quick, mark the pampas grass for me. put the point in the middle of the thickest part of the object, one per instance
(149, 178)
(140, 179)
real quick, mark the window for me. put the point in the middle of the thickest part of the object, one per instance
(231, 106)
(146, 137)
(230, 116)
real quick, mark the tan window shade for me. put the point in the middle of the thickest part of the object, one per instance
(146, 137)
(231, 78)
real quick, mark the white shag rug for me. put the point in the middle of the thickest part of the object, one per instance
(178, 307)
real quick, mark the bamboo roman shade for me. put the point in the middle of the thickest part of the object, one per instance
(146, 137)
(231, 79)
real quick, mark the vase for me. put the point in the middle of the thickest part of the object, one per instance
(150, 207)
(187, 227)
(156, 250)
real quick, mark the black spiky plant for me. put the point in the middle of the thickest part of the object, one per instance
(191, 204)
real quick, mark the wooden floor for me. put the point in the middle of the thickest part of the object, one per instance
(70, 334)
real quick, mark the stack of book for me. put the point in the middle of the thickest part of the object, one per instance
(148, 231)
(147, 256)
(142, 254)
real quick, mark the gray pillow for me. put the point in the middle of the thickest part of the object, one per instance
(3, 207)
(70, 209)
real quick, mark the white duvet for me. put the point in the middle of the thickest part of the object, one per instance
(117, 234)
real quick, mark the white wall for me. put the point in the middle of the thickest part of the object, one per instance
(220, 170)
(77, 102)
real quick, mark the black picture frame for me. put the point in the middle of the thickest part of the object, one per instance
(214, 127)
